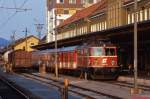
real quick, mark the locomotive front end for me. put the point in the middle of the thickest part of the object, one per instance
(102, 63)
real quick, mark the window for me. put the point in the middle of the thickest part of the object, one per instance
(110, 51)
(86, 52)
(61, 1)
(23, 48)
(32, 43)
(83, 1)
(72, 1)
(129, 18)
(90, 1)
(141, 15)
(71, 58)
(145, 14)
(96, 52)
(132, 19)
(66, 11)
(59, 11)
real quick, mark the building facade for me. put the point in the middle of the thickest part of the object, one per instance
(104, 15)
(110, 15)
(59, 10)
(26, 43)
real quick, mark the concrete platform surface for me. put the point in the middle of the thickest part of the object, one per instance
(114, 90)
(36, 88)
(141, 81)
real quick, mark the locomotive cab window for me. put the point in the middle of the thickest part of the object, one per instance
(96, 51)
(110, 51)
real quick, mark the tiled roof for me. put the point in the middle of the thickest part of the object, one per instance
(84, 13)
(130, 1)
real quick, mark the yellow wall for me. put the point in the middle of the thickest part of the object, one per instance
(29, 44)
(72, 11)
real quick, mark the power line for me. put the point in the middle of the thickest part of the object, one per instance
(14, 1)
(10, 17)
(11, 8)
(25, 1)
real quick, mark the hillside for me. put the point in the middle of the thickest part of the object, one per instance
(3, 42)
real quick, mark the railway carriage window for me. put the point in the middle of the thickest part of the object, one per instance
(86, 52)
(110, 52)
(79, 52)
(96, 51)
(71, 58)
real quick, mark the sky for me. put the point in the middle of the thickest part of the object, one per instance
(12, 20)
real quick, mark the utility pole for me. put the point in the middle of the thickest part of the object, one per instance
(135, 90)
(13, 37)
(26, 34)
(55, 22)
(135, 44)
(13, 46)
(39, 29)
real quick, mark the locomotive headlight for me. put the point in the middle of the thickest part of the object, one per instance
(95, 61)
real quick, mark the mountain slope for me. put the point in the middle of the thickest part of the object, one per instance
(3, 42)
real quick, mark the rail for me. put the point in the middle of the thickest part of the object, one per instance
(71, 88)
(129, 85)
(13, 87)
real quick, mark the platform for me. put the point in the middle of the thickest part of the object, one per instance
(130, 79)
(37, 89)
(114, 90)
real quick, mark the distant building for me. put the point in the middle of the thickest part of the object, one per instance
(26, 43)
(59, 10)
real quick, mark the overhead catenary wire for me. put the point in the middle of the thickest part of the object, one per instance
(11, 8)
(14, 1)
(10, 17)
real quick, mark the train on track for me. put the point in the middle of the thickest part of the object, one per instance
(19, 59)
(98, 62)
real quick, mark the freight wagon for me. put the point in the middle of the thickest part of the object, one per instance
(20, 59)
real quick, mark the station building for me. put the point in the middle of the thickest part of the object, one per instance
(112, 20)
(59, 10)
(101, 16)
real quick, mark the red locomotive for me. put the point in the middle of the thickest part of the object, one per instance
(99, 62)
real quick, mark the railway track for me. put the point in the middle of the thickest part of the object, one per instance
(126, 84)
(10, 91)
(81, 91)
